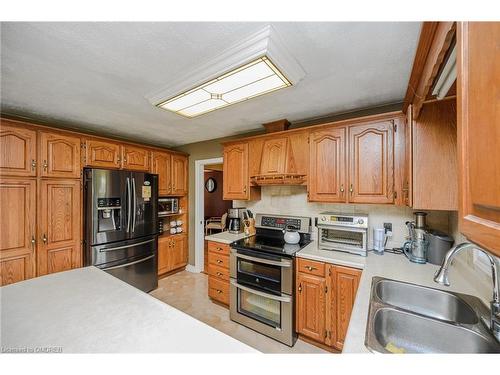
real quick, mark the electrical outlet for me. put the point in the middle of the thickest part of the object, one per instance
(388, 227)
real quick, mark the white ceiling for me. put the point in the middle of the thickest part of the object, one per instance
(96, 76)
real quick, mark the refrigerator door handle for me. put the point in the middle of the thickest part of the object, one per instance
(135, 204)
(129, 204)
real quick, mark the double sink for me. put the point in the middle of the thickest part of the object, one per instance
(409, 318)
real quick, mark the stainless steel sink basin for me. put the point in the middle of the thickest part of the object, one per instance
(410, 318)
(434, 303)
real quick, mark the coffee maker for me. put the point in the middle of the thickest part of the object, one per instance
(235, 220)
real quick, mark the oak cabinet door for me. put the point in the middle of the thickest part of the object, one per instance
(59, 226)
(164, 244)
(162, 166)
(59, 155)
(135, 158)
(18, 150)
(235, 173)
(327, 165)
(311, 306)
(17, 228)
(371, 163)
(179, 252)
(274, 156)
(179, 175)
(478, 101)
(102, 154)
(345, 283)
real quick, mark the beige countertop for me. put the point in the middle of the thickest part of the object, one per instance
(86, 310)
(225, 237)
(390, 266)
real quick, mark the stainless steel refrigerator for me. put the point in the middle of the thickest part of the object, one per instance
(121, 225)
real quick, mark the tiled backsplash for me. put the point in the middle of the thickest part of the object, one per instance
(292, 200)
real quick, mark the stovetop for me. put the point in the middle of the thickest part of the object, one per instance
(271, 244)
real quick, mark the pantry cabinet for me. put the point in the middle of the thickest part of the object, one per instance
(59, 155)
(371, 163)
(478, 132)
(59, 226)
(17, 228)
(325, 297)
(235, 172)
(327, 169)
(18, 150)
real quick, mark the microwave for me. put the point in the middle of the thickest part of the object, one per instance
(168, 206)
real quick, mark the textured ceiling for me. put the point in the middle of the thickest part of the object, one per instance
(96, 76)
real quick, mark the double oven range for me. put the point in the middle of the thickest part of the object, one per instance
(262, 276)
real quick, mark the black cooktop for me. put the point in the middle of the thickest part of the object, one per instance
(271, 244)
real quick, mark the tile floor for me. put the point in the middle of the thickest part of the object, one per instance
(187, 292)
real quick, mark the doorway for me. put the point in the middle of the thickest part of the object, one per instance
(208, 203)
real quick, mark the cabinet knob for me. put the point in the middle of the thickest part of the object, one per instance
(219, 291)
(219, 261)
(245, 189)
(33, 241)
(311, 268)
(45, 165)
(351, 189)
(219, 273)
(342, 188)
(44, 238)
(300, 287)
(33, 164)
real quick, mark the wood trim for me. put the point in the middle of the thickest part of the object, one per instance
(276, 126)
(441, 42)
(319, 344)
(427, 33)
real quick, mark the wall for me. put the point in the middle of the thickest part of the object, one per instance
(292, 200)
(214, 204)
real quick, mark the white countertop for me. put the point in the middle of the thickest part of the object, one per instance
(225, 237)
(390, 266)
(87, 310)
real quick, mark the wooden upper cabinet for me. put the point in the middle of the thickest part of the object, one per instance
(17, 228)
(59, 155)
(371, 163)
(162, 166)
(311, 306)
(17, 150)
(478, 46)
(344, 284)
(135, 158)
(236, 179)
(274, 153)
(59, 226)
(102, 154)
(327, 170)
(179, 174)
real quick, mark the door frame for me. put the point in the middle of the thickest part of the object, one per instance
(199, 203)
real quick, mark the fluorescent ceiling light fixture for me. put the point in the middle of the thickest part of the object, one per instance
(256, 78)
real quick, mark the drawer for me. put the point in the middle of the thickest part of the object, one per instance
(218, 290)
(218, 248)
(218, 260)
(310, 267)
(219, 272)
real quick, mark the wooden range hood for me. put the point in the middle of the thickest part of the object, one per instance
(282, 157)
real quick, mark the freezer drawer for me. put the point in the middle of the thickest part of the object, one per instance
(118, 252)
(140, 273)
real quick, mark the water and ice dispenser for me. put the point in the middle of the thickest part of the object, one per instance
(109, 214)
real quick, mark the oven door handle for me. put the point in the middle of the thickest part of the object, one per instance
(262, 260)
(285, 299)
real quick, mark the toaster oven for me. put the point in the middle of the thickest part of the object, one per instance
(342, 232)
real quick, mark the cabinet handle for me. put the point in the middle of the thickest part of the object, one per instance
(219, 248)
(311, 268)
(45, 165)
(219, 291)
(300, 287)
(44, 238)
(245, 189)
(33, 164)
(342, 188)
(219, 273)
(33, 241)
(219, 261)
(124, 160)
(351, 189)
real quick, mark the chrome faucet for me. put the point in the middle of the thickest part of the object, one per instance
(441, 277)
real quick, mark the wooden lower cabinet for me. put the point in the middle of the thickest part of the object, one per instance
(59, 226)
(324, 301)
(172, 253)
(218, 272)
(18, 229)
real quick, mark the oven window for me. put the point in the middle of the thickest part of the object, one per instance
(263, 309)
(259, 269)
